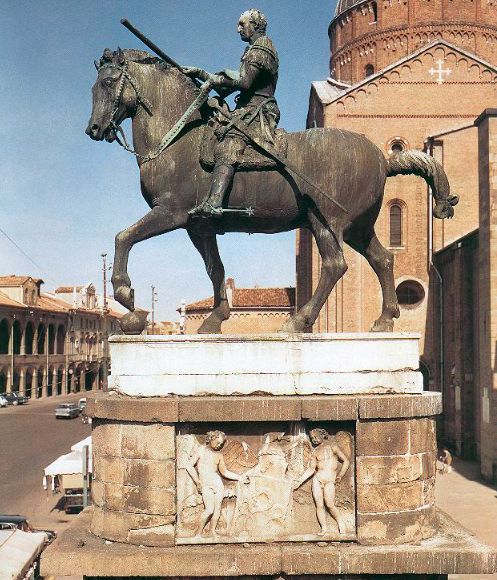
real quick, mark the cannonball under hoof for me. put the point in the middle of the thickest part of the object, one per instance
(134, 322)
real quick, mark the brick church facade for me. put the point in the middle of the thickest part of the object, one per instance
(412, 74)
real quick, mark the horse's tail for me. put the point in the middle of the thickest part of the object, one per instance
(427, 167)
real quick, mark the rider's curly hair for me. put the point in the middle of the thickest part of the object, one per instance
(258, 19)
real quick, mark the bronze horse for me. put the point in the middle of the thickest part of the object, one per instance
(348, 166)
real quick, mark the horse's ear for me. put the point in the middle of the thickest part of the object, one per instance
(120, 56)
(96, 65)
(107, 55)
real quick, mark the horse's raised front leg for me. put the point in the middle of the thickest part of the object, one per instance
(157, 221)
(207, 247)
(333, 267)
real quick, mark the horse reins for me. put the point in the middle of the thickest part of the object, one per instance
(171, 134)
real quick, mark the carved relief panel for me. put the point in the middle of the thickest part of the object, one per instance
(260, 482)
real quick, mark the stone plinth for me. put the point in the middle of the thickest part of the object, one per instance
(452, 551)
(274, 364)
(195, 480)
(139, 477)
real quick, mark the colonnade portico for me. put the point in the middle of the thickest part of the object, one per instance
(50, 347)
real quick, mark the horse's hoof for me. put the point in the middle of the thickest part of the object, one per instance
(125, 296)
(382, 326)
(293, 327)
(134, 322)
(118, 280)
(212, 326)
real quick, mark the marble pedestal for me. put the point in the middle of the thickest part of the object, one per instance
(155, 434)
(272, 364)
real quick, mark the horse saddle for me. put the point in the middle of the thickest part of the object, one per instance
(253, 157)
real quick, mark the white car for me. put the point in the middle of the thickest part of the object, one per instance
(3, 401)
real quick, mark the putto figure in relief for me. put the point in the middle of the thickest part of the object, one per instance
(323, 468)
(205, 466)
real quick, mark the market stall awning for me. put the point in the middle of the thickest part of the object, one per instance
(18, 551)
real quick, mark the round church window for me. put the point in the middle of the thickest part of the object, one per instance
(397, 145)
(410, 293)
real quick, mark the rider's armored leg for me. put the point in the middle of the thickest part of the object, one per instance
(227, 154)
(222, 178)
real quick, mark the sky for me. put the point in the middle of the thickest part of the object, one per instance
(64, 197)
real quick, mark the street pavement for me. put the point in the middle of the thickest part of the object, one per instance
(31, 438)
(471, 502)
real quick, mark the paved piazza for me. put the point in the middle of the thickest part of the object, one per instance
(32, 438)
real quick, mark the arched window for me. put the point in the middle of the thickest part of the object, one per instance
(16, 335)
(41, 339)
(51, 339)
(374, 11)
(4, 337)
(28, 338)
(60, 340)
(368, 70)
(395, 226)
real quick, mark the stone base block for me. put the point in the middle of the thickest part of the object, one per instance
(275, 364)
(144, 491)
(141, 529)
(452, 551)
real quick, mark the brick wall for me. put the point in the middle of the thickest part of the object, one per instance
(487, 136)
(403, 27)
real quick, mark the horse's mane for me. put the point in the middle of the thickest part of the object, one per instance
(143, 57)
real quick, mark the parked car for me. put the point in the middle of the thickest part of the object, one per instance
(22, 523)
(82, 403)
(3, 401)
(20, 548)
(67, 411)
(15, 398)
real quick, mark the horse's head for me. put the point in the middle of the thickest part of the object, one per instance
(115, 96)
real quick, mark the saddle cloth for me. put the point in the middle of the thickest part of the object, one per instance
(252, 159)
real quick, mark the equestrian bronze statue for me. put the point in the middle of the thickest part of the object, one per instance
(329, 181)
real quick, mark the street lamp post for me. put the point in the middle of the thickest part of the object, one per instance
(154, 302)
(105, 327)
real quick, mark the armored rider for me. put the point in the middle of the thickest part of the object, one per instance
(256, 106)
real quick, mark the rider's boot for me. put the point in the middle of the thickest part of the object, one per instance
(222, 177)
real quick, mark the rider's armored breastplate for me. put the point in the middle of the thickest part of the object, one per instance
(263, 56)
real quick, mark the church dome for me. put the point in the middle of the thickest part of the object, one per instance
(343, 5)
(368, 35)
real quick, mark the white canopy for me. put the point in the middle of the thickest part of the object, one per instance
(80, 444)
(18, 551)
(68, 464)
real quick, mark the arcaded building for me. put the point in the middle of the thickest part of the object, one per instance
(410, 74)
(52, 343)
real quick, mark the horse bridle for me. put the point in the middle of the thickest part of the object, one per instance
(140, 100)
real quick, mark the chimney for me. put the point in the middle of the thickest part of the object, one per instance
(230, 289)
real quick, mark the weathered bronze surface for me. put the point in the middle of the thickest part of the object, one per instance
(338, 200)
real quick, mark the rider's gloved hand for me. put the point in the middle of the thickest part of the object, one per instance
(217, 80)
(190, 71)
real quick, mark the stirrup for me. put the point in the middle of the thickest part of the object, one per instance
(206, 210)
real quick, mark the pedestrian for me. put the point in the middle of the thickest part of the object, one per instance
(445, 459)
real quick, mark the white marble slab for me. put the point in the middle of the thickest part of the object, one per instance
(278, 364)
